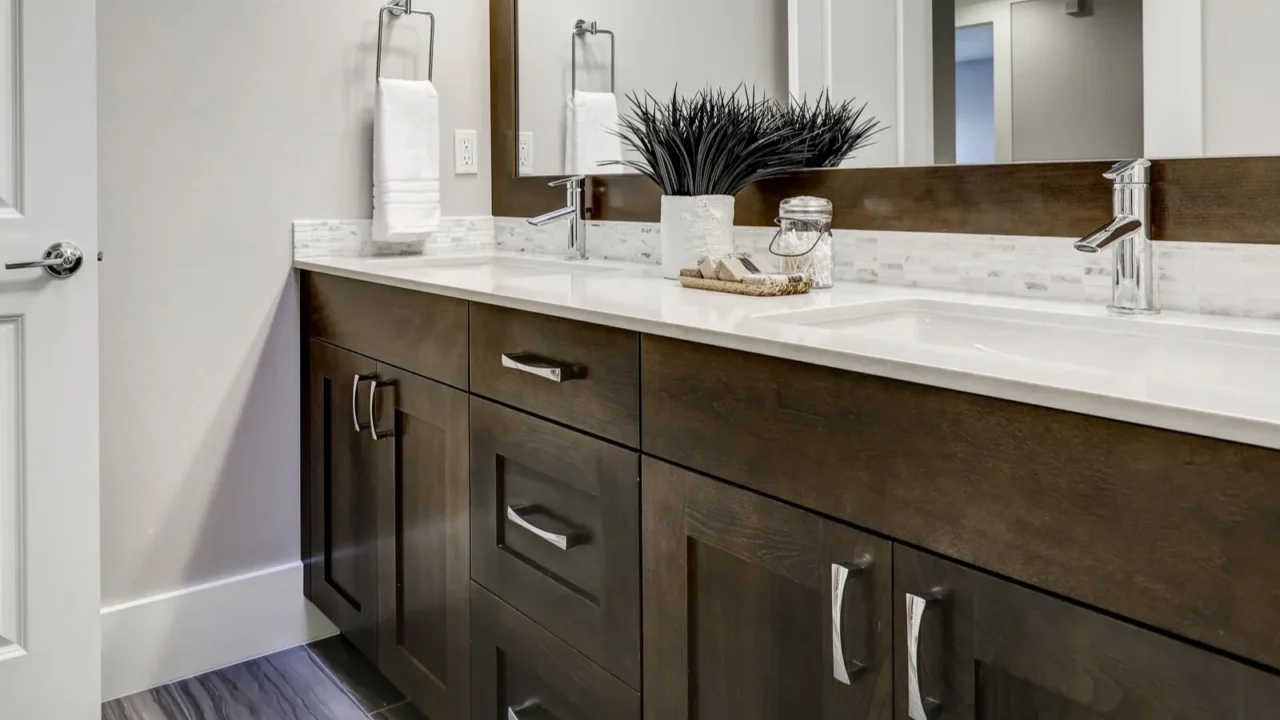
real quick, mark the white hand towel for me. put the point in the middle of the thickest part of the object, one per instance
(591, 118)
(406, 160)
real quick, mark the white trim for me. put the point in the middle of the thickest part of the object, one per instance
(1174, 78)
(156, 640)
(793, 48)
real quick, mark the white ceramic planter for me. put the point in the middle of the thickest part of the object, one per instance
(693, 227)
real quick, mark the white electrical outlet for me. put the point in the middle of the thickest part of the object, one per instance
(525, 153)
(465, 150)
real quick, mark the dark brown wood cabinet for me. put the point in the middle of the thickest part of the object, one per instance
(973, 647)
(555, 531)
(423, 569)
(510, 553)
(755, 610)
(342, 577)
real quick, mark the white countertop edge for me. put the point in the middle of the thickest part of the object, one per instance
(1233, 428)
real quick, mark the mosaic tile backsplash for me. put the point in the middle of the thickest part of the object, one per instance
(354, 238)
(1213, 278)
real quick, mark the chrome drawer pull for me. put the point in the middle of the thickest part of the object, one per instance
(516, 513)
(919, 705)
(542, 367)
(844, 672)
(373, 410)
(355, 395)
(526, 711)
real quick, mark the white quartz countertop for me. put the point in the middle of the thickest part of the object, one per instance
(1212, 376)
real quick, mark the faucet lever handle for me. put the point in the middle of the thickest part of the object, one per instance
(574, 182)
(1137, 170)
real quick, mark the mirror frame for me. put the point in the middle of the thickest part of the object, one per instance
(1193, 200)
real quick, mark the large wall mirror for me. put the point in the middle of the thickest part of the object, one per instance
(954, 81)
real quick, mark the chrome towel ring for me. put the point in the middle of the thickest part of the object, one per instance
(398, 8)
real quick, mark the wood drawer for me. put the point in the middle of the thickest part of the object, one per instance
(419, 332)
(530, 476)
(1175, 531)
(603, 400)
(515, 664)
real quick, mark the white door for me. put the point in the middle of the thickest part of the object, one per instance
(49, 566)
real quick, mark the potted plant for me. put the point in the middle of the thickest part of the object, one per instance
(701, 151)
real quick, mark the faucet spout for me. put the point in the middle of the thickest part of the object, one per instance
(1118, 229)
(553, 216)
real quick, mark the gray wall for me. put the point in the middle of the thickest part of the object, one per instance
(221, 123)
(661, 44)
(1077, 81)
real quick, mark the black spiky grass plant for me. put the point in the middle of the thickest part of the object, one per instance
(714, 142)
(831, 132)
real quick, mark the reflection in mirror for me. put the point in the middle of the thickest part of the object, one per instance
(967, 81)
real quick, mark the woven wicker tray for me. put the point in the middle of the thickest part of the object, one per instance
(691, 278)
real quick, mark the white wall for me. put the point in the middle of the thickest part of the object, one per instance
(1173, 83)
(661, 44)
(864, 64)
(221, 123)
(1241, 90)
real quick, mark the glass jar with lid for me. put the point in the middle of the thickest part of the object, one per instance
(804, 243)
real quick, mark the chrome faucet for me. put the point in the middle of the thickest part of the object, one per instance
(575, 191)
(1133, 288)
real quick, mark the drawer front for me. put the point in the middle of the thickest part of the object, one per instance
(518, 670)
(555, 531)
(419, 332)
(1147, 524)
(599, 387)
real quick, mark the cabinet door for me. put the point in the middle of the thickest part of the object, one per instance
(754, 610)
(343, 562)
(970, 646)
(424, 561)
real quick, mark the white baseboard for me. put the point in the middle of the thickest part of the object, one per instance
(149, 642)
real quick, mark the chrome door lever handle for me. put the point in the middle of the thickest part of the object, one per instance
(61, 260)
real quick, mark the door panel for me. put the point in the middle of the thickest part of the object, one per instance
(990, 650)
(343, 577)
(755, 610)
(50, 565)
(424, 561)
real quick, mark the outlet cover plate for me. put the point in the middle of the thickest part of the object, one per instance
(524, 153)
(466, 149)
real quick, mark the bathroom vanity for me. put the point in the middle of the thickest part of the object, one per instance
(580, 492)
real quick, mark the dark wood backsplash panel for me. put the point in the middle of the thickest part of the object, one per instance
(1194, 200)
(1173, 530)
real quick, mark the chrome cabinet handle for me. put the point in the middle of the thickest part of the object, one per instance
(844, 671)
(542, 367)
(355, 400)
(516, 513)
(526, 711)
(373, 409)
(61, 260)
(919, 705)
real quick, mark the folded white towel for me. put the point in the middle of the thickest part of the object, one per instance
(406, 160)
(591, 118)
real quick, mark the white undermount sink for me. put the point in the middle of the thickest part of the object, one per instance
(496, 265)
(1162, 349)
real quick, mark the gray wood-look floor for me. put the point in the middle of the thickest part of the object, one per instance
(327, 680)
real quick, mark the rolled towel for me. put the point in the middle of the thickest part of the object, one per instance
(406, 160)
(591, 119)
